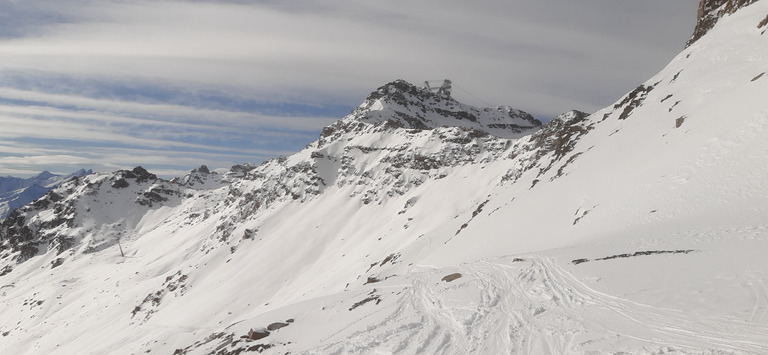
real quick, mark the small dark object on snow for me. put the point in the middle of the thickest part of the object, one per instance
(679, 121)
(371, 280)
(451, 277)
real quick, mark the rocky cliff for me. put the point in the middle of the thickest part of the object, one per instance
(710, 11)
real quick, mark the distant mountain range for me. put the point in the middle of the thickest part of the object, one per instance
(16, 192)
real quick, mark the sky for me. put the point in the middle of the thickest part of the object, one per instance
(172, 85)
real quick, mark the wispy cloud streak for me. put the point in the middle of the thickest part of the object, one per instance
(240, 79)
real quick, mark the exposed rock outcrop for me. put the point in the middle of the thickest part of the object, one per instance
(711, 11)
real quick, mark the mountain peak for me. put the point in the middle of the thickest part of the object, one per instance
(138, 173)
(400, 96)
(45, 174)
(81, 172)
(400, 104)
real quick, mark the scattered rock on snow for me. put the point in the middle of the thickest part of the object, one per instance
(679, 121)
(637, 253)
(259, 333)
(451, 277)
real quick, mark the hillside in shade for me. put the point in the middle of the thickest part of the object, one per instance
(418, 224)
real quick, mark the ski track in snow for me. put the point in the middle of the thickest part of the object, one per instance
(537, 306)
(664, 326)
(759, 309)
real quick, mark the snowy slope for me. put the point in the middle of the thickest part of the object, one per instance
(16, 192)
(360, 158)
(420, 225)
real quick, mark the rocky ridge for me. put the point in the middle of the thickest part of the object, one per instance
(83, 215)
(17, 192)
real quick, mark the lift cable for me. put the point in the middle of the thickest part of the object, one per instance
(473, 95)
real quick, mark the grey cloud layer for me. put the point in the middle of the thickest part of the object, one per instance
(541, 56)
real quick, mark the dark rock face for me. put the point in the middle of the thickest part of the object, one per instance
(16, 236)
(710, 11)
(762, 23)
(633, 101)
(139, 173)
(550, 145)
(258, 334)
(202, 170)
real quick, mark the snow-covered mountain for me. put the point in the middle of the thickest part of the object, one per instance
(16, 192)
(417, 224)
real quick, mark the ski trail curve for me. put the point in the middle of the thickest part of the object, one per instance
(663, 326)
(535, 306)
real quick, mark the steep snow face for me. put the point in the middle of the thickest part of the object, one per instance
(640, 229)
(683, 151)
(17, 192)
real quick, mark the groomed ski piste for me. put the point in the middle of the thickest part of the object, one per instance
(641, 228)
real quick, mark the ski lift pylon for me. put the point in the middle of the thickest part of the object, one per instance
(444, 90)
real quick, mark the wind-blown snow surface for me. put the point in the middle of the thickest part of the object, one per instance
(641, 228)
